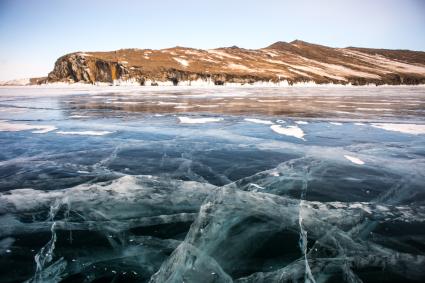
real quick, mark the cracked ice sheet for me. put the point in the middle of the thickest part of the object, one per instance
(157, 192)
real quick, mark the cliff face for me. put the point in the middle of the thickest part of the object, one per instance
(79, 67)
(293, 62)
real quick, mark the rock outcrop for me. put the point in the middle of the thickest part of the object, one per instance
(279, 63)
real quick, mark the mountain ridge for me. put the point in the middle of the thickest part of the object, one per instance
(279, 63)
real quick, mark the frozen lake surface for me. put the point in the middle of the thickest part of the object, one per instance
(212, 184)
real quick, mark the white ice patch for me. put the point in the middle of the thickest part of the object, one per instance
(188, 120)
(355, 160)
(12, 127)
(301, 122)
(413, 129)
(183, 62)
(293, 131)
(259, 121)
(84, 133)
(335, 123)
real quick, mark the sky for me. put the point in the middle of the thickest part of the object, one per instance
(34, 33)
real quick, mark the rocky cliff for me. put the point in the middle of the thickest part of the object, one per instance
(280, 63)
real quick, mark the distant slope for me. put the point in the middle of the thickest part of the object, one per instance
(281, 62)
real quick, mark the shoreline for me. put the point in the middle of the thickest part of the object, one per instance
(191, 84)
(205, 86)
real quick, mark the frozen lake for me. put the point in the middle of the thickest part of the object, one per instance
(212, 184)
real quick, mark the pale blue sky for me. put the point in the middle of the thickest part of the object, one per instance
(33, 34)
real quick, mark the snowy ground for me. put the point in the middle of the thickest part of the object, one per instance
(212, 184)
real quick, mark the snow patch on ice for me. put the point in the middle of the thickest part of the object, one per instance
(301, 122)
(258, 121)
(188, 120)
(413, 129)
(293, 131)
(5, 126)
(335, 123)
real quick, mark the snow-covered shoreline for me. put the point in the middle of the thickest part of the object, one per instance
(190, 84)
(82, 88)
